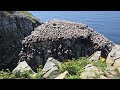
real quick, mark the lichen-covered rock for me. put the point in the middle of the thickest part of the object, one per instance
(14, 26)
(62, 40)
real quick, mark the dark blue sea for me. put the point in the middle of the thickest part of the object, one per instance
(104, 22)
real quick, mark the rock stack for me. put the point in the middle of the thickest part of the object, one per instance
(62, 40)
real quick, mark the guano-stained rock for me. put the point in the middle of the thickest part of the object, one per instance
(63, 40)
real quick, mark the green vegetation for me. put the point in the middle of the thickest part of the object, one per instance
(28, 15)
(6, 74)
(74, 68)
(101, 65)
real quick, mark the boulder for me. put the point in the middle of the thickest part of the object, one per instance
(113, 55)
(21, 67)
(116, 64)
(87, 75)
(93, 69)
(56, 62)
(50, 69)
(52, 73)
(51, 62)
(62, 75)
(90, 71)
(63, 40)
(95, 56)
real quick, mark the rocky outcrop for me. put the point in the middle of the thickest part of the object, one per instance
(62, 40)
(14, 26)
(51, 68)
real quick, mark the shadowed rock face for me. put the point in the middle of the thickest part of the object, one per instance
(14, 26)
(62, 40)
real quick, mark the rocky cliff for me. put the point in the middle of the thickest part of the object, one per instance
(62, 40)
(14, 26)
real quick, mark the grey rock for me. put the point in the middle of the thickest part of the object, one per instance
(87, 75)
(95, 56)
(113, 56)
(21, 67)
(51, 62)
(50, 69)
(62, 75)
(91, 71)
(52, 73)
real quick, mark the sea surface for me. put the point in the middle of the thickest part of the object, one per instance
(104, 22)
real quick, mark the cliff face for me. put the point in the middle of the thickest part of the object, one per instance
(14, 26)
(62, 40)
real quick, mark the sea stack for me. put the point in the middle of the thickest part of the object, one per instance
(62, 40)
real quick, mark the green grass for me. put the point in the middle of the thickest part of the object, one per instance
(101, 65)
(74, 67)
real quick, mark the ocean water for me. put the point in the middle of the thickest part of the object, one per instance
(104, 22)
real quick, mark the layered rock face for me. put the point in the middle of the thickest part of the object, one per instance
(14, 26)
(62, 40)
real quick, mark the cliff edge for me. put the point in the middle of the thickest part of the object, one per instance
(14, 26)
